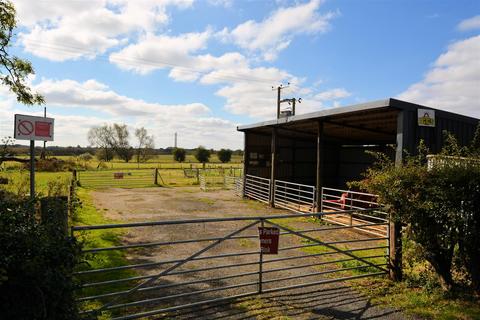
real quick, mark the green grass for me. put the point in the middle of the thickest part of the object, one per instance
(19, 181)
(261, 309)
(320, 249)
(428, 304)
(208, 201)
(89, 215)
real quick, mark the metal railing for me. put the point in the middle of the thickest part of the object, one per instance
(338, 200)
(239, 186)
(227, 182)
(294, 196)
(171, 275)
(257, 188)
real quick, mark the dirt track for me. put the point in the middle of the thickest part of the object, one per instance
(328, 301)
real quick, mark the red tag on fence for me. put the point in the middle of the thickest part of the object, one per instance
(269, 239)
(118, 175)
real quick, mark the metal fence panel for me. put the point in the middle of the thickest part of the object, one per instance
(338, 200)
(117, 178)
(294, 196)
(168, 277)
(257, 188)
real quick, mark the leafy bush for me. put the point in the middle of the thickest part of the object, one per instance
(439, 205)
(224, 155)
(53, 165)
(179, 154)
(36, 264)
(202, 154)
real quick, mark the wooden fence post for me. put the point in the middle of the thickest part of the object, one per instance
(156, 177)
(395, 251)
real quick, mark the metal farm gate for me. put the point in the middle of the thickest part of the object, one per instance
(294, 196)
(257, 188)
(185, 264)
(118, 178)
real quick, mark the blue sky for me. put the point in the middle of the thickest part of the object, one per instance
(202, 67)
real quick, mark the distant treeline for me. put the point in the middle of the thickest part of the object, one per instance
(78, 150)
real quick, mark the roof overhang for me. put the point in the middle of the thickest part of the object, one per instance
(372, 122)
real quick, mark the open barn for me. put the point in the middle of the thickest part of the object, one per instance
(298, 158)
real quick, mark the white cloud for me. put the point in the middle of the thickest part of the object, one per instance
(247, 89)
(193, 122)
(469, 24)
(156, 52)
(97, 96)
(333, 94)
(275, 33)
(61, 30)
(222, 3)
(453, 83)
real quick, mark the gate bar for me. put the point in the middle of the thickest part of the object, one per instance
(243, 295)
(325, 244)
(155, 277)
(245, 218)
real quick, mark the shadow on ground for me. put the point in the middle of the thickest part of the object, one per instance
(339, 302)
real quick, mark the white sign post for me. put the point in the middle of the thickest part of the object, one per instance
(33, 128)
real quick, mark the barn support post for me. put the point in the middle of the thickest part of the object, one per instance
(273, 162)
(395, 227)
(318, 179)
(245, 162)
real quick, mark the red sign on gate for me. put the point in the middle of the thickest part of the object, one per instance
(118, 175)
(269, 239)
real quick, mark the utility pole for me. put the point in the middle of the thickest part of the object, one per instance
(279, 89)
(291, 101)
(175, 144)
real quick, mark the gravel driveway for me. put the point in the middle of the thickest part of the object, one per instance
(327, 301)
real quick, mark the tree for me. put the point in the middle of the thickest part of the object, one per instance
(202, 155)
(120, 142)
(179, 154)
(224, 155)
(104, 155)
(145, 145)
(102, 138)
(13, 70)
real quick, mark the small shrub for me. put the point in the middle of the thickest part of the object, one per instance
(36, 265)
(224, 155)
(437, 204)
(202, 155)
(53, 165)
(179, 154)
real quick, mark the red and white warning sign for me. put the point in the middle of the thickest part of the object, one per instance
(269, 239)
(33, 128)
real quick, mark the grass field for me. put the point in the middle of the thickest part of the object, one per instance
(159, 161)
(46, 183)
(100, 175)
(50, 183)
